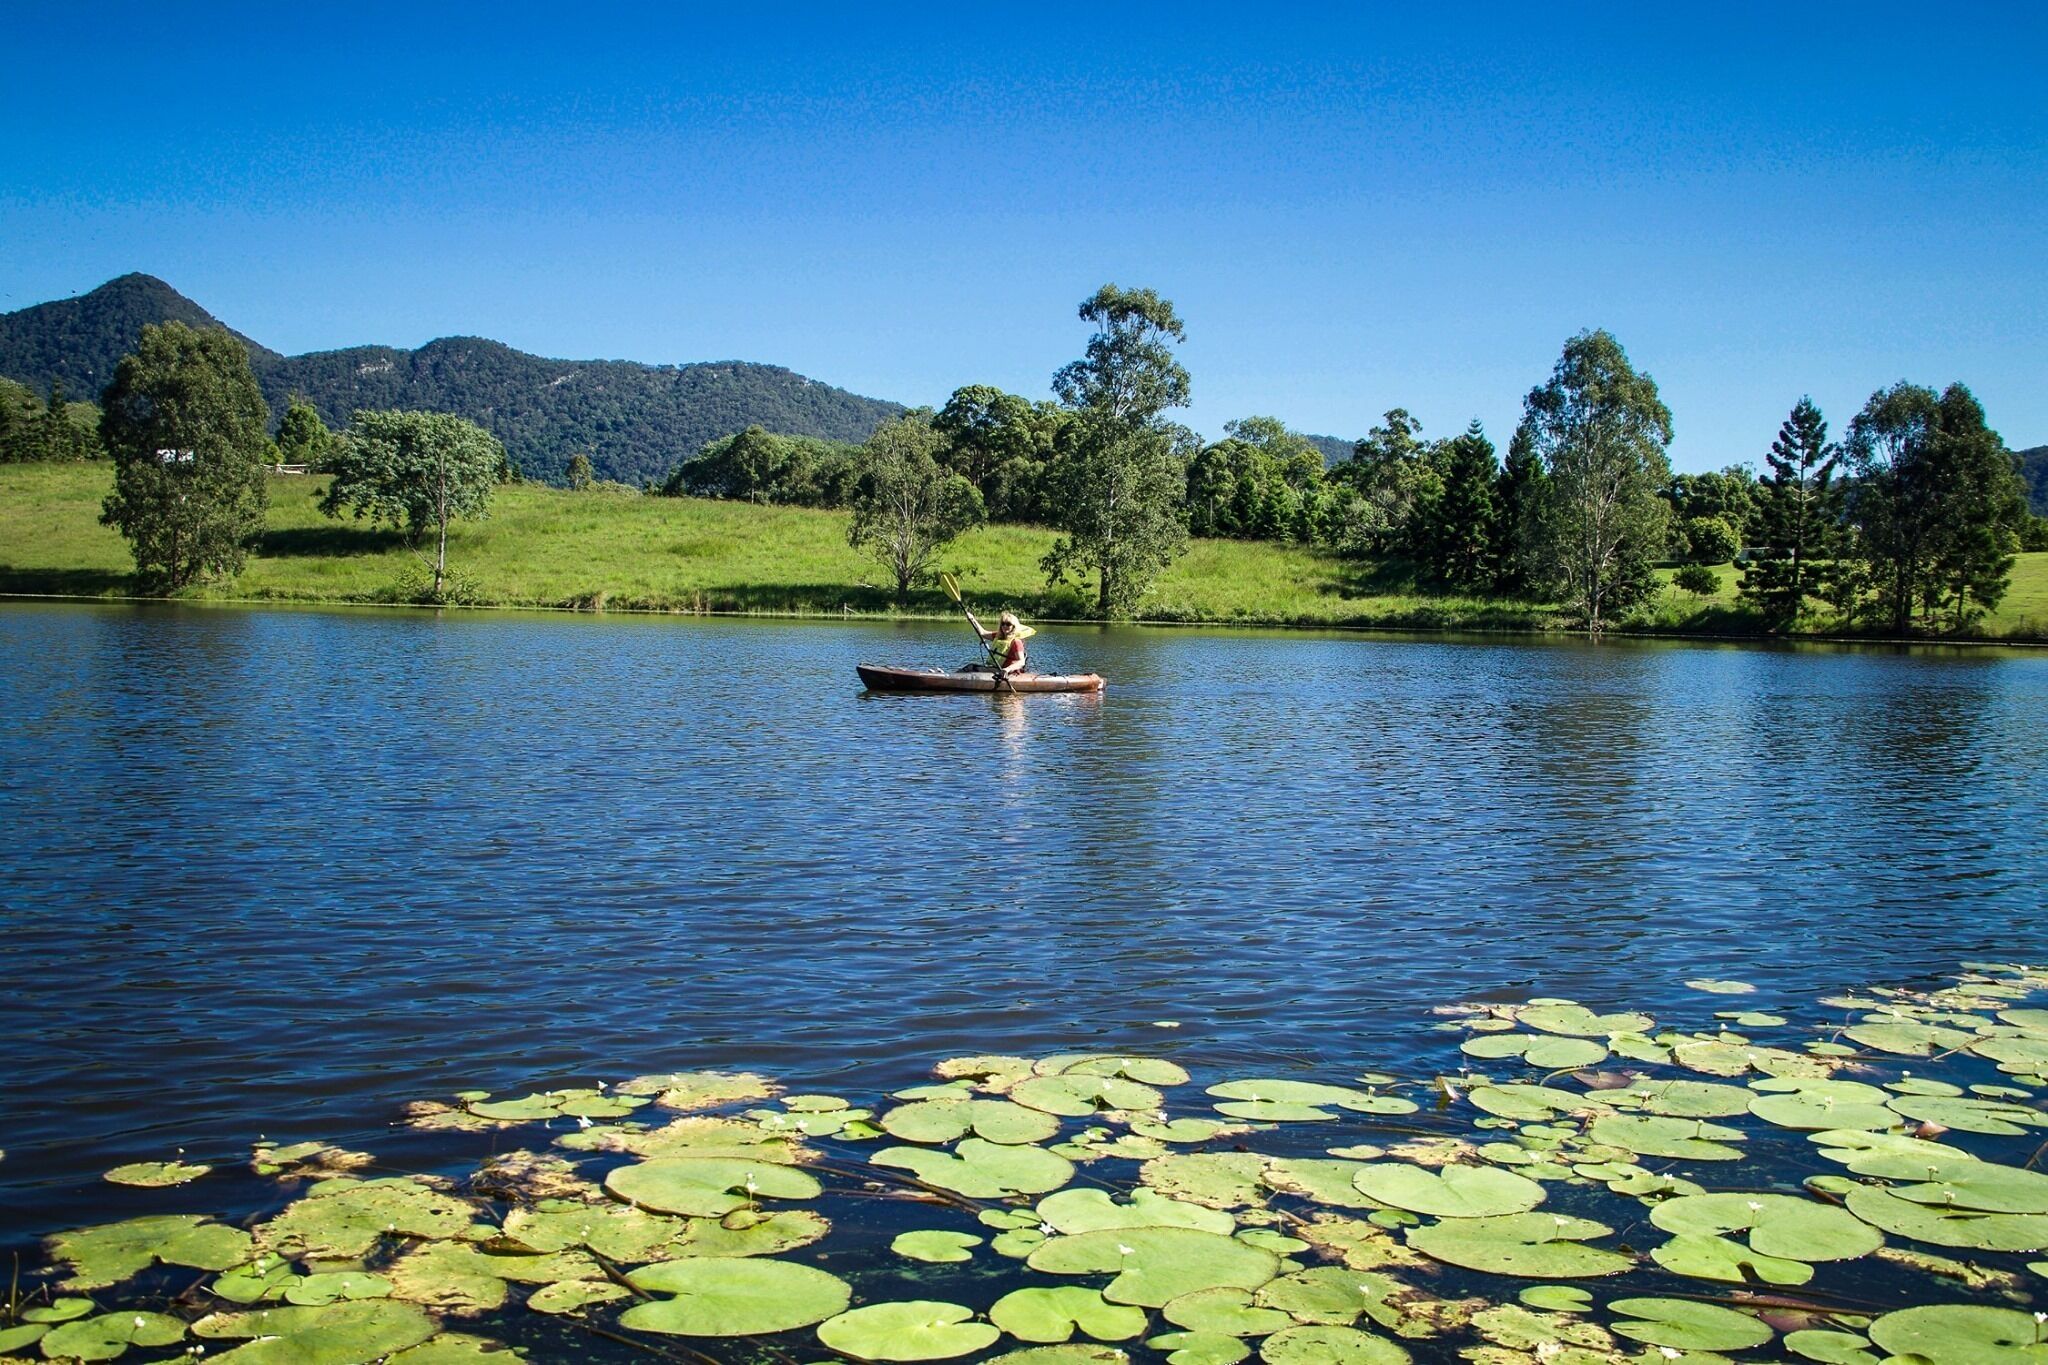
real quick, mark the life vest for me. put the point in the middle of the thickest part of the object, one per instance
(999, 647)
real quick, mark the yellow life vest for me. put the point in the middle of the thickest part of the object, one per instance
(999, 646)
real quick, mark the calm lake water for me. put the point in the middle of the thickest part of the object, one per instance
(282, 871)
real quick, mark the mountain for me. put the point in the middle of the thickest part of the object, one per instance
(634, 421)
(2033, 463)
(1336, 450)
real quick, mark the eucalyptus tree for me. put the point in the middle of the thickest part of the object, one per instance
(416, 471)
(1797, 517)
(907, 507)
(1600, 431)
(186, 425)
(1118, 487)
(1003, 443)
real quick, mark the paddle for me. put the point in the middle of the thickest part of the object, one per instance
(952, 587)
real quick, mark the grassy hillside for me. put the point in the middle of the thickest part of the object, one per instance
(550, 548)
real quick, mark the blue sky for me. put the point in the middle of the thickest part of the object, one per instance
(1353, 207)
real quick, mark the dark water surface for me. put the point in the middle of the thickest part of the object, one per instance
(282, 871)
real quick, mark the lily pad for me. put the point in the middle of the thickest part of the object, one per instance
(918, 1329)
(1960, 1182)
(573, 1296)
(1812, 1104)
(1995, 1117)
(1829, 1347)
(734, 1298)
(1951, 1227)
(1682, 1099)
(1688, 1326)
(1653, 1135)
(113, 1252)
(1225, 1312)
(1961, 1334)
(1256, 1099)
(108, 1336)
(1720, 1258)
(1579, 1022)
(1531, 1245)
(1455, 1192)
(693, 1090)
(1056, 1314)
(1557, 1298)
(156, 1174)
(337, 1334)
(706, 1186)
(1718, 986)
(1078, 1096)
(1145, 1070)
(346, 1218)
(1531, 1103)
(1154, 1266)
(946, 1120)
(337, 1286)
(1330, 1296)
(1330, 1346)
(1323, 1180)
(1546, 1051)
(981, 1169)
(1778, 1225)
(936, 1246)
(1092, 1210)
(1217, 1180)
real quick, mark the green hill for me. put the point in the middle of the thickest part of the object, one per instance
(634, 421)
(2033, 464)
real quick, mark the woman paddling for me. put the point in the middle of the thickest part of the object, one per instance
(1005, 644)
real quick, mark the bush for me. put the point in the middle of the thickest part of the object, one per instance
(1710, 540)
(1697, 579)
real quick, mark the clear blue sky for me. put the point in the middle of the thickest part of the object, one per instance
(1353, 208)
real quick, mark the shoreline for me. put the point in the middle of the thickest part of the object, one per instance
(880, 618)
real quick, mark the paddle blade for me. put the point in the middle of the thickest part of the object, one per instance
(951, 585)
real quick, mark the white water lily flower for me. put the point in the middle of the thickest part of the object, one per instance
(140, 1321)
(582, 1120)
(1123, 1250)
(1755, 1206)
(1047, 1228)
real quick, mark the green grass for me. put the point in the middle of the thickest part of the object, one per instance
(544, 547)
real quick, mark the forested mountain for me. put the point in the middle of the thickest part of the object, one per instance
(2034, 469)
(1336, 450)
(634, 421)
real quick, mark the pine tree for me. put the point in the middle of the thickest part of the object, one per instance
(1515, 492)
(1465, 535)
(1797, 517)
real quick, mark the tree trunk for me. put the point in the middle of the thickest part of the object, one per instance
(1102, 595)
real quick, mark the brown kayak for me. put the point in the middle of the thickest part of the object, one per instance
(881, 679)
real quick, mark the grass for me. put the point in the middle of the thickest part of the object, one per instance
(545, 547)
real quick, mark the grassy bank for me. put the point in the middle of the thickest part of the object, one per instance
(544, 547)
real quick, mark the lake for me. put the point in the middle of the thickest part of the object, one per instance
(282, 871)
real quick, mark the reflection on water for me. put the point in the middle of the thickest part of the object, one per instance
(281, 871)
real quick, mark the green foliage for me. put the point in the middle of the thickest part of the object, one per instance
(1386, 471)
(1517, 494)
(1697, 579)
(1937, 506)
(760, 466)
(53, 431)
(1117, 493)
(1797, 519)
(1706, 540)
(302, 438)
(1600, 430)
(579, 474)
(1003, 445)
(185, 424)
(907, 508)
(412, 471)
(2033, 467)
(1262, 482)
(1729, 496)
(1453, 533)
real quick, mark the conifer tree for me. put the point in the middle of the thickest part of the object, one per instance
(1797, 517)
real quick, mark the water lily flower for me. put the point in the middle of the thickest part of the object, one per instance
(1123, 1250)
(1047, 1228)
(1755, 1206)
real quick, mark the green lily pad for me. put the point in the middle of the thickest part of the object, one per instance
(1951, 1227)
(1682, 1099)
(1145, 1070)
(1056, 1314)
(1252, 1099)
(1557, 1298)
(1455, 1192)
(617, 1231)
(1653, 1135)
(983, 1068)
(1995, 1117)
(1092, 1210)
(113, 1252)
(1960, 1182)
(1716, 986)
(13, 1339)
(346, 1218)
(156, 1174)
(918, 1329)
(573, 1296)
(1330, 1346)
(2026, 1056)
(1546, 1051)
(1079, 1096)
(708, 1187)
(1720, 1258)
(936, 1246)
(1225, 1312)
(1778, 1225)
(1688, 1326)
(1530, 1103)
(337, 1334)
(693, 1090)
(1217, 1180)
(264, 1278)
(1199, 1348)
(1848, 1145)
(1538, 1246)
(734, 1298)
(1908, 1039)
(1183, 1130)
(1961, 1334)
(336, 1287)
(58, 1310)
(1813, 1105)
(1579, 1022)
(1323, 1180)
(108, 1336)
(1154, 1266)
(1331, 1296)
(941, 1121)
(1829, 1347)
(745, 1232)
(981, 1169)
(453, 1348)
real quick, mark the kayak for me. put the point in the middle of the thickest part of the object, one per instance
(880, 679)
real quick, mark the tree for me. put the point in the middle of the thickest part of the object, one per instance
(416, 471)
(1937, 504)
(1516, 494)
(1454, 533)
(907, 507)
(579, 474)
(1601, 431)
(1117, 490)
(1389, 468)
(1708, 540)
(185, 424)
(1002, 444)
(302, 438)
(1798, 509)
(1260, 482)
(1697, 579)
